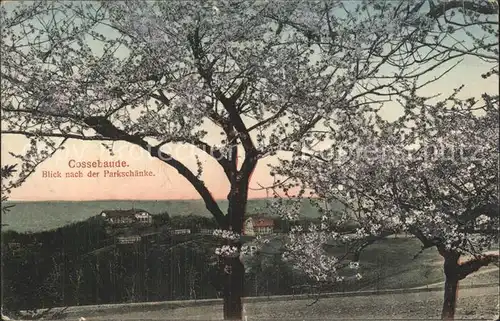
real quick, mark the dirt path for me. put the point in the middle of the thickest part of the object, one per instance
(482, 271)
(479, 303)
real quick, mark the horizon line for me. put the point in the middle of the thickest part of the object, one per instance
(130, 200)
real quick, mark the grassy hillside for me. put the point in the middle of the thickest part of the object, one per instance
(39, 216)
(392, 263)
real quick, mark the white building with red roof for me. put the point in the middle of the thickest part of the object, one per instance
(258, 226)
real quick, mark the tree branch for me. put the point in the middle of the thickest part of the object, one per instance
(475, 264)
(270, 119)
(490, 210)
(56, 135)
(239, 125)
(106, 128)
(443, 6)
(212, 151)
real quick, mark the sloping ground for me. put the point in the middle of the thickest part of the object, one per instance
(391, 264)
(432, 275)
(473, 304)
(485, 276)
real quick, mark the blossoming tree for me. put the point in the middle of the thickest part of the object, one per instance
(432, 173)
(264, 75)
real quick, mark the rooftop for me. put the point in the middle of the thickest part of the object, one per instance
(262, 222)
(121, 213)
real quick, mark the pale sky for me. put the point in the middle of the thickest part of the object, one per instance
(166, 182)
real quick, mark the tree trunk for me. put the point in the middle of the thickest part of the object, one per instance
(233, 290)
(234, 269)
(450, 298)
(451, 269)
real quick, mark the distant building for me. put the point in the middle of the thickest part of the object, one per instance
(258, 226)
(248, 227)
(181, 231)
(14, 246)
(206, 231)
(128, 239)
(118, 217)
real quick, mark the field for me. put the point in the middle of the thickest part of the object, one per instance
(473, 304)
(391, 264)
(40, 216)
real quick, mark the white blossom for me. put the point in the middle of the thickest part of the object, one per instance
(227, 251)
(228, 235)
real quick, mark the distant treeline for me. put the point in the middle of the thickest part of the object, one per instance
(80, 264)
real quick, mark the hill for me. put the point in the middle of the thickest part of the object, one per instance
(47, 215)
